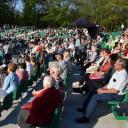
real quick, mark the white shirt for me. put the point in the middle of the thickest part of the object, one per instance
(77, 44)
(5, 49)
(71, 46)
(118, 81)
(30, 69)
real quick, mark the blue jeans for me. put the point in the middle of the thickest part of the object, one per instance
(93, 86)
(97, 98)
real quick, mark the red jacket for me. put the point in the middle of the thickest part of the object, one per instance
(106, 67)
(43, 106)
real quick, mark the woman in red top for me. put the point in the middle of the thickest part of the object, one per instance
(39, 111)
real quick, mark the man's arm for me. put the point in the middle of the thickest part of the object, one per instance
(112, 90)
(105, 91)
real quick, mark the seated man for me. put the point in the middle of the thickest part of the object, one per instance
(114, 90)
(39, 112)
(11, 82)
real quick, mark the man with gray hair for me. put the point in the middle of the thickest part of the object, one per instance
(114, 90)
(48, 82)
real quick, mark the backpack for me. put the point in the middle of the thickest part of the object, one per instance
(122, 109)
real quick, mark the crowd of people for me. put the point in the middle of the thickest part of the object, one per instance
(102, 62)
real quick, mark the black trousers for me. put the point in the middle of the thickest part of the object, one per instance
(83, 69)
(22, 119)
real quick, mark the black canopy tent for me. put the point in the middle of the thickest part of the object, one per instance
(85, 23)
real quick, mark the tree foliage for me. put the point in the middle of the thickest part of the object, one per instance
(43, 13)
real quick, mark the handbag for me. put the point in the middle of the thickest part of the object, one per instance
(96, 76)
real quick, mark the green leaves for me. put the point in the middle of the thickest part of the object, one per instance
(42, 13)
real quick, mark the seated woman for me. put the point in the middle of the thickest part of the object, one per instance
(29, 66)
(98, 75)
(94, 66)
(39, 112)
(117, 48)
(11, 81)
(36, 65)
(67, 59)
(103, 68)
(62, 63)
(23, 77)
(33, 62)
(101, 78)
(91, 58)
(55, 71)
(22, 73)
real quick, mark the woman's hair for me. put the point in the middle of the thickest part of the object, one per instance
(94, 48)
(27, 58)
(113, 57)
(55, 66)
(126, 47)
(12, 67)
(33, 59)
(48, 82)
(107, 51)
(23, 65)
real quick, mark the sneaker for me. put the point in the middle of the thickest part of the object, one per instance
(76, 84)
(78, 90)
(80, 109)
(82, 119)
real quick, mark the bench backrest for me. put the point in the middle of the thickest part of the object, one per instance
(126, 97)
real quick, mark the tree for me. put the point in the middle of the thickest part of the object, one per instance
(55, 13)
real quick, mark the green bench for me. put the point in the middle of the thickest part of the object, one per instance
(114, 105)
(65, 82)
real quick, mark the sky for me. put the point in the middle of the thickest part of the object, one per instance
(19, 5)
